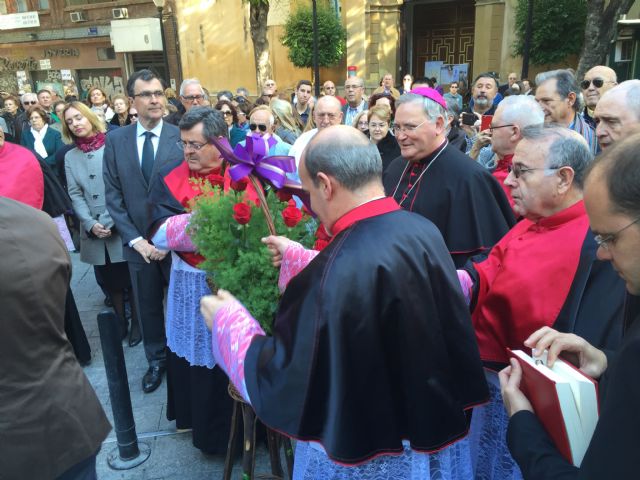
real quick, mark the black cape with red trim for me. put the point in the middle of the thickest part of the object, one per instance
(372, 344)
(458, 195)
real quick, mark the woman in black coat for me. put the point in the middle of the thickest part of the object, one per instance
(380, 134)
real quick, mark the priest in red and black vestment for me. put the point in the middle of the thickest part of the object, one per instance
(544, 272)
(373, 360)
(441, 183)
(197, 395)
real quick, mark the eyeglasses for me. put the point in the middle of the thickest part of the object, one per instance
(407, 128)
(193, 145)
(492, 128)
(330, 116)
(34, 102)
(133, 115)
(597, 82)
(192, 98)
(351, 87)
(226, 113)
(374, 126)
(253, 126)
(518, 170)
(605, 241)
(147, 95)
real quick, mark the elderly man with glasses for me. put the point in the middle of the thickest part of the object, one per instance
(262, 124)
(439, 182)
(191, 95)
(544, 272)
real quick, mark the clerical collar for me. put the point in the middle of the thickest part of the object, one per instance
(429, 158)
(573, 212)
(372, 208)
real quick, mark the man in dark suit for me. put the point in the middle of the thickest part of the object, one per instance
(132, 157)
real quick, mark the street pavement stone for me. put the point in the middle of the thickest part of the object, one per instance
(172, 453)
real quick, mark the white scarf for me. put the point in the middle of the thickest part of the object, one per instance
(38, 146)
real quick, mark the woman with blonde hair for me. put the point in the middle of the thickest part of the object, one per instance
(380, 134)
(100, 243)
(361, 122)
(121, 111)
(98, 98)
(287, 126)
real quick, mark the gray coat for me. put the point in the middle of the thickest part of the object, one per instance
(86, 189)
(126, 188)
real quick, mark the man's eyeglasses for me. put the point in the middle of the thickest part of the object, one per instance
(407, 128)
(133, 115)
(352, 87)
(492, 128)
(33, 102)
(147, 95)
(605, 241)
(254, 126)
(192, 98)
(597, 82)
(193, 145)
(518, 170)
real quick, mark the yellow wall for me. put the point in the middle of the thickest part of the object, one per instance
(216, 45)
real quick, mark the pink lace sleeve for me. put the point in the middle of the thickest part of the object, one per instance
(466, 284)
(294, 260)
(232, 332)
(177, 236)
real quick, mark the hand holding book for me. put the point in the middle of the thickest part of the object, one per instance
(573, 348)
(512, 397)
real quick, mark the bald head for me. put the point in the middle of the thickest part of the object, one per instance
(346, 154)
(327, 112)
(596, 82)
(618, 113)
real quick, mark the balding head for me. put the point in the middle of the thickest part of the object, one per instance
(596, 82)
(327, 112)
(618, 113)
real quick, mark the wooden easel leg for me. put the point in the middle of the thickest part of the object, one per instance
(231, 447)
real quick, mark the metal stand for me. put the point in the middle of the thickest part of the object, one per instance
(129, 453)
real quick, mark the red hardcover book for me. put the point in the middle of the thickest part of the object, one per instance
(565, 401)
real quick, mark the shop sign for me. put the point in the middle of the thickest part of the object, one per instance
(45, 64)
(19, 20)
(61, 52)
(8, 64)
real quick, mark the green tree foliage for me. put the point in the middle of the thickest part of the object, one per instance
(298, 37)
(558, 29)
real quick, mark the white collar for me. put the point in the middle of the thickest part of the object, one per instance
(157, 130)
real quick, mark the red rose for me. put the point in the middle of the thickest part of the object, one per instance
(320, 244)
(240, 185)
(292, 216)
(216, 180)
(283, 196)
(242, 213)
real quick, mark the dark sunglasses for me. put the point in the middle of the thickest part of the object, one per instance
(597, 82)
(30, 103)
(253, 126)
(133, 115)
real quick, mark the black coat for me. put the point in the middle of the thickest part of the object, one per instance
(389, 150)
(615, 445)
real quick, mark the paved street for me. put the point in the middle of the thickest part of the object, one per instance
(172, 454)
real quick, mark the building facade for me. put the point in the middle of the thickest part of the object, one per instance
(70, 46)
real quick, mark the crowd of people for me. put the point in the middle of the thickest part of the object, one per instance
(461, 224)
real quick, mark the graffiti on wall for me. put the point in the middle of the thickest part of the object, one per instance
(110, 81)
(11, 65)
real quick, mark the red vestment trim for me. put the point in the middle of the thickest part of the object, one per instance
(526, 279)
(501, 172)
(370, 209)
(179, 182)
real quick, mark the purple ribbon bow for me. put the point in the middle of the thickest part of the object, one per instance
(253, 158)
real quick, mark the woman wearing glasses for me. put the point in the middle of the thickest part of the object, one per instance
(100, 244)
(380, 134)
(40, 139)
(230, 114)
(121, 111)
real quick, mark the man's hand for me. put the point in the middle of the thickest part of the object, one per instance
(210, 304)
(158, 254)
(471, 130)
(575, 349)
(100, 231)
(513, 398)
(277, 247)
(145, 249)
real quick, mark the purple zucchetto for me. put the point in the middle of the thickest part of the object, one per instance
(430, 93)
